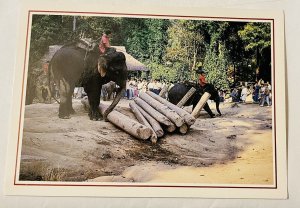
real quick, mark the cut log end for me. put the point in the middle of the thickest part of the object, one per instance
(153, 138)
(183, 129)
(171, 128)
(143, 133)
(127, 124)
(154, 124)
(159, 133)
(190, 120)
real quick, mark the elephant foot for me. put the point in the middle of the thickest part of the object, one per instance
(95, 115)
(64, 116)
(72, 111)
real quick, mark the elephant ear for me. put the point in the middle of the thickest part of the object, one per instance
(102, 66)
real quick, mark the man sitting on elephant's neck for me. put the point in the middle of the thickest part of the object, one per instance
(104, 44)
(202, 78)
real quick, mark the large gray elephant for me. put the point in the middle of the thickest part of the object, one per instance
(72, 63)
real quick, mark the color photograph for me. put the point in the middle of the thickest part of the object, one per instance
(149, 101)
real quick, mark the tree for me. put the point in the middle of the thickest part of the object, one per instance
(257, 40)
(216, 61)
(185, 46)
(216, 65)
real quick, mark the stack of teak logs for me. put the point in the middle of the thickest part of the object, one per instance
(156, 116)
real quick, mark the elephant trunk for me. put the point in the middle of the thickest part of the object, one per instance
(115, 102)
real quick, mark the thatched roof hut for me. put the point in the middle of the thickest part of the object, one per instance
(131, 62)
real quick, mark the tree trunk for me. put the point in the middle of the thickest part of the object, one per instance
(185, 98)
(143, 120)
(169, 113)
(74, 23)
(127, 124)
(200, 104)
(155, 114)
(188, 118)
(154, 123)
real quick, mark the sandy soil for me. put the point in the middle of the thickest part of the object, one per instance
(234, 148)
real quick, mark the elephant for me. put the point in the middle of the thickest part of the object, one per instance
(108, 90)
(72, 64)
(177, 92)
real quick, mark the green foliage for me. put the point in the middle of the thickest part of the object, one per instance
(185, 46)
(162, 72)
(145, 39)
(172, 49)
(256, 35)
(215, 66)
(45, 31)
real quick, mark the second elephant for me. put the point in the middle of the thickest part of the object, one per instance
(109, 90)
(178, 91)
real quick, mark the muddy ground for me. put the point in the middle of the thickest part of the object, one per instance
(233, 148)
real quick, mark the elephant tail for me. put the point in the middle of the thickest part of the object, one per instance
(49, 83)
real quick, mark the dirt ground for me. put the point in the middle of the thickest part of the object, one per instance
(236, 148)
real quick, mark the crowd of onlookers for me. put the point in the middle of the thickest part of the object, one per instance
(261, 93)
(134, 86)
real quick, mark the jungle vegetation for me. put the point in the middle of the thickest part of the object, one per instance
(228, 51)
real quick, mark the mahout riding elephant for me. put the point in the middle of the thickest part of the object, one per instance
(108, 90)
(177, 92)
(72, 64)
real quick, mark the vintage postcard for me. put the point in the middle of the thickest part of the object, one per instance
(156, 102)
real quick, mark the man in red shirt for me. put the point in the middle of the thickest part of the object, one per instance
(202, 79)
(104, 42)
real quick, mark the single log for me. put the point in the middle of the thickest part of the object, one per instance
(129, 125)
(188, 118)
(165, 110)
(163, 92)
(154, 124)
(184, 129)
(142, 120)
(188, 109)
(200, 104)
(187, 96)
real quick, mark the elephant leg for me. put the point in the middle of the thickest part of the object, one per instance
(65, 99)
(104, 94)
(109, 95)
(208, 110)
(69, 100)
(94, 93)
(217, 107)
